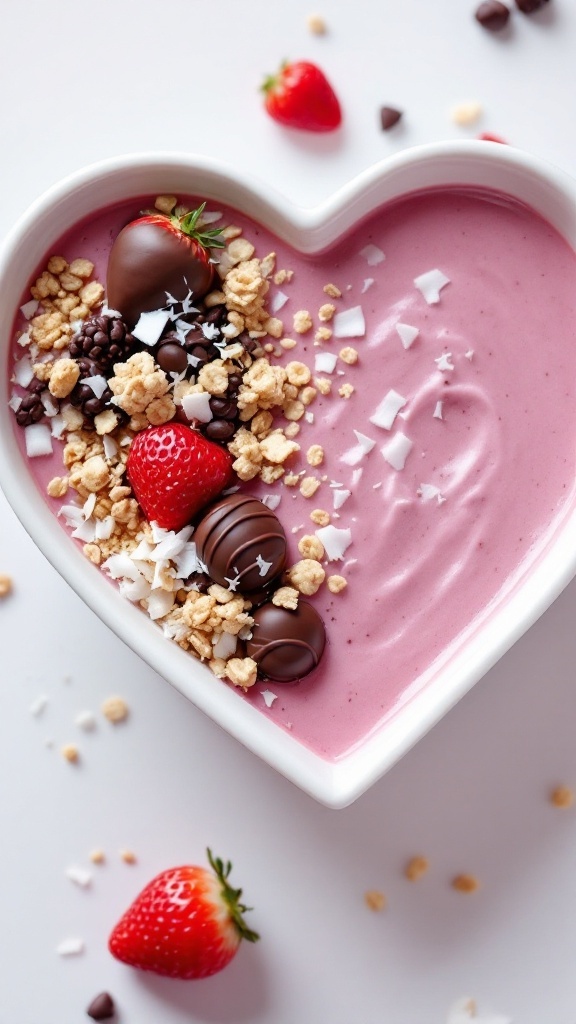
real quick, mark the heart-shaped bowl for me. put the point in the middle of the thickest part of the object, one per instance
(466, 167)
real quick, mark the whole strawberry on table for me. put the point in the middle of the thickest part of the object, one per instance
(300, 96)
(186, 923)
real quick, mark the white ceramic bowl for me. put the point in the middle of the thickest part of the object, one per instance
(482, 165)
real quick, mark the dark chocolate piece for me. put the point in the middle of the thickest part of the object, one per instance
(285, 644)
(172, 357)
(102, 1007)
(492, 15)
(235, 536)
(145, 262)
(529, 6)
(389, 116)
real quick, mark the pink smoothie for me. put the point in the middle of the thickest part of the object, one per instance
(487, 405)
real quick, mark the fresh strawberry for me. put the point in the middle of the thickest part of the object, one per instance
(158, 254)
(186, 923)
(300, 96)
(174, 471)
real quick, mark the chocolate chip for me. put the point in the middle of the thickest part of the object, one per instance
(172, 358)
(492, 15)
(223, 408)
(220, 430)
(529, 6)
(389, 116)
(102, 1007)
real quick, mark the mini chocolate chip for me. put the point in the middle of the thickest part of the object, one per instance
(529, 6)
(492, 15)
(200, 353)
(102, 1007)
(171, 357)
(223, 408)
(220, 430)
(389, 116)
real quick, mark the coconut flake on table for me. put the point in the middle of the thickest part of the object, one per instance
(97, 384)
(368, 282)
(269, 697)
(335, 541)
(465, 1011)
(407, 334)
(38, 440)
(349, 323)
(225, 646)
(339, 496)
(23, 373)
(354, 455)
(325, 362)
(372, 254)
(149, 328)
(80, 876)
(443, 362)
(70, 947)
(430, 284)
(39, 705)
(279, 299)
(388, 409)
(271, 500)
(85, 720)
(397, 450)
(197, 406)
(29, 309)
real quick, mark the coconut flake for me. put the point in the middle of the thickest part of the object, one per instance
(150, 326)
(349, 323)
(80, 876)
(437, 414)
(278, 301)
(269, 697)
(210, 332)
(407, 334)
(309, 416)
(110, 446)
(160, 602)
(356, 475)
(197, 406)
(97, 384)
(430, 285)
(38, 440)
(469, 354)
(429, 491)
(57, 426)
(15, 402)
(23, 373)
(70, 947)
(29, 309)
(38, 706)
(355, 454)
(225, 646)
(443, 362)
(340, 496)
(85, 720)
(89, 506)
(397, 450)
(335, 541)
(263, 566)
(372, 254)
(271, 500)
(325, 362)
(388, 410)
(368, 282)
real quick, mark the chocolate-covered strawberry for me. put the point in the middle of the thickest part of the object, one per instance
(159, 255)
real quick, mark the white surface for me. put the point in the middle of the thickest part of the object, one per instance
(89, 82)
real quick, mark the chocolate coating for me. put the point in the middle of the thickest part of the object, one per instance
(285, 644)
(145, 262)
(232, 534)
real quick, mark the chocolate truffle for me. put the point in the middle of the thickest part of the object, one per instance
(285, 644)
(241, 539)
(145, 262)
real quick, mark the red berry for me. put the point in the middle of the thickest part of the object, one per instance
(186, 923)
(157, 254)
(300, 96)
(174, 471)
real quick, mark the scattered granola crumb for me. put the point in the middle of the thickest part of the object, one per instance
(286, 597)
(115, 709)
(302, 321)
(307, 576)
(70, 753)
(465, 883)
(97, 856)
(309, 486)
(315, 455)
(316, 24)
(416, 868)
(332, 290)
(320, 517)
(128, 856)
(310, 546)
(346, 390)
(348, 355)
(562, 796)
(326, 312)
(374, 899)
(336, 584)
(5, 585)
(466, 113)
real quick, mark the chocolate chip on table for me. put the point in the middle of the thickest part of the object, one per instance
(529, 6)
(493, 15)
(389, 116)
(102, 1007)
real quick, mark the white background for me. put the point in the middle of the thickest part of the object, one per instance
(79, 82)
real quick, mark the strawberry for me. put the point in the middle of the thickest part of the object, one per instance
(186, 923)
(158, 254)
(174, 471)
(300, 96)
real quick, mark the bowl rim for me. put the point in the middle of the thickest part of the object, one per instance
(335, 783)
